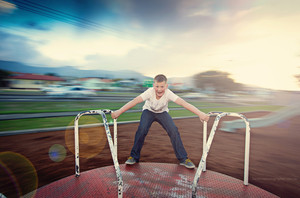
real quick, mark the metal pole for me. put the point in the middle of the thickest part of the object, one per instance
(113, 154)
(202, 163)
(204, 156)
(76, 135)
(115, 138)
(247, 151)
(204, 142)
(77, 168)
(112, 146)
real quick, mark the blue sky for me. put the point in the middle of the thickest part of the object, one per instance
(258, 42)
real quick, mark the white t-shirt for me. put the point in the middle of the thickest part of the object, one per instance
(154, 105)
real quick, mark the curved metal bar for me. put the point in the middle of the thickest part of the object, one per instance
(112, 145)
(76, 135)
(212, 113)
(207, 144)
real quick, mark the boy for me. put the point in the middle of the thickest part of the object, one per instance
(156, 109)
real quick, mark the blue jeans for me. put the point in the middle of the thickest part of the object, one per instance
(165, 120)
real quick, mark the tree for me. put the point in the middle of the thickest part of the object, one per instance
(51, 74)
(3, 76)
(216, 80)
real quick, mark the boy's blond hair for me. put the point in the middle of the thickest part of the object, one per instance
(160, 78)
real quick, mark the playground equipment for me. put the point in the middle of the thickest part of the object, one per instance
(207, 144)
(153, 179)
(112, 145)
(273, 118)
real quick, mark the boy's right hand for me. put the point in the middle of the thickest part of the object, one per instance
(115, 114)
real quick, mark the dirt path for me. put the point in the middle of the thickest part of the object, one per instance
(274, 154)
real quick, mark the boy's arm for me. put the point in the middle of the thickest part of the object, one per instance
(127, 106)
(192, 108)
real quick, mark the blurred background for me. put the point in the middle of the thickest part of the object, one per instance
(95, 52)
(58, 58)
(216, 48)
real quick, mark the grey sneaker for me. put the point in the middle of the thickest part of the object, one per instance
(188, 163)
(130, 161)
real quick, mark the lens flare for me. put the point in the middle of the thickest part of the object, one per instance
(57, 153)
(92, 139)
(110, 120)
(18, 175)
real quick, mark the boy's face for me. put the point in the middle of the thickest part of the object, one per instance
(160, 88)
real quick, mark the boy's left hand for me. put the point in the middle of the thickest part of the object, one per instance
(204, 117)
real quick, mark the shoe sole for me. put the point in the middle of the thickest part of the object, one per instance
(190, 167)
(130, 163)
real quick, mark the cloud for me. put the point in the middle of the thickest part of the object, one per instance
(16, 48)
(60, 46)
(6, 7)
(35, 25)
(175, 37)
(139, 59)
(22, 49)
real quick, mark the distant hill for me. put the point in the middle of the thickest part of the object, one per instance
(69, 71)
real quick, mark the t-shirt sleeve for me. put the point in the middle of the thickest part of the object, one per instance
(172, 96)
(146, 94)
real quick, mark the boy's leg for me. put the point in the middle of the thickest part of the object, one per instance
(147, 118)
(168, 124)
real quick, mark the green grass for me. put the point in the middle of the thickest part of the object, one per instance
(36, 123)
(20, 92)
(40, 93)
(23, 124)
(41, 107)
(11, 125)
(180, 113)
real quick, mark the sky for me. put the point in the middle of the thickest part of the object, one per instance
(256, 41)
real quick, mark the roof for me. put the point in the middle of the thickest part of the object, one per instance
(27, 76)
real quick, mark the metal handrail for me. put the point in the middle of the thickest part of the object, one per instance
(207, 144)
(112, 145)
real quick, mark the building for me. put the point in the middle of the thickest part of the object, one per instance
(96, 83)
(32, 81)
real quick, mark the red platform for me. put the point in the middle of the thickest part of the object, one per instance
(149, 180)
